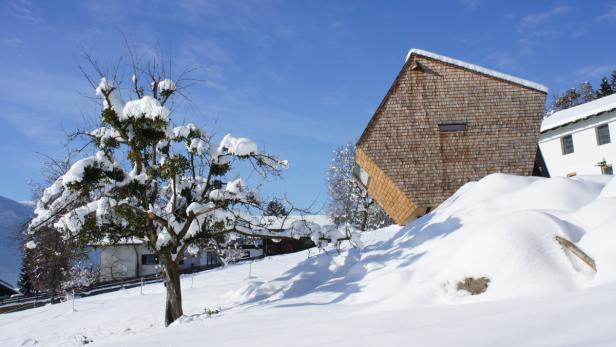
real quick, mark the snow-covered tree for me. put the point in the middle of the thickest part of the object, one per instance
(165, 184)
(78, 275)
(570, 98)
(46, 265)
(348, 202)
(47, 257)
(587, 93)
(605, 88)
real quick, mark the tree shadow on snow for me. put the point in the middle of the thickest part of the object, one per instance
(323, 273)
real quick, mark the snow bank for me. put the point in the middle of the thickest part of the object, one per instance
(503, 228)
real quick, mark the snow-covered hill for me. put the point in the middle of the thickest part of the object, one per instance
(13, 215)
(401, 288)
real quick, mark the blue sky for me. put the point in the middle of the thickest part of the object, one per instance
(299, 77)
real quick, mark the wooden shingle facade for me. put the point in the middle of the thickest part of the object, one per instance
(443, 123)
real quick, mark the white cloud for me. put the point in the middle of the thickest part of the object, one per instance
(609, 15)
(533, 20)
(22, 9)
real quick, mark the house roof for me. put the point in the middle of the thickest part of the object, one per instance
(477, 68)
(580, 112)
(7, 286)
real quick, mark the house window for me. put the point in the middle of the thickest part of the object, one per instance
(603, 134)
(212, 259)
(567, 144)
(361, 175)
(451, 127)
(607, 170)
(149, 259)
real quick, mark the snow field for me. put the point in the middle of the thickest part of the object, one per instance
(400, 287)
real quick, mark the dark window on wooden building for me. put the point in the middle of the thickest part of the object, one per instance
(603, 134)
(149, 259)
(451, 127)
(567, 144)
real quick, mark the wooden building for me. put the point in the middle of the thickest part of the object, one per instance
(445, 122)
(6, 289)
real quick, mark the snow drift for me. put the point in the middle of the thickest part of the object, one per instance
(503, 228)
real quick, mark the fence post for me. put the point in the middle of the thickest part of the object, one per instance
(73, 300)
(141, 290)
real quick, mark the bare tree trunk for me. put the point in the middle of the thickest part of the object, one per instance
(173, 307)
(364, 219)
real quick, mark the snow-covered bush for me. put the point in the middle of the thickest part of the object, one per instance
(348, 202)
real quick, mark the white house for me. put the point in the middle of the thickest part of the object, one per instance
(580, 140)
(132, 259)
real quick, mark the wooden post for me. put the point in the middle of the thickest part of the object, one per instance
(577, 252)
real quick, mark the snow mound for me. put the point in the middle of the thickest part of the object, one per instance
(502, 227)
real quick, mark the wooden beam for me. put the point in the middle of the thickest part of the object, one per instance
(577, 252)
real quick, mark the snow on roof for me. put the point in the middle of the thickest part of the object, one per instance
(125, 241)
(276, 223)
(477, 68)
(576, 113)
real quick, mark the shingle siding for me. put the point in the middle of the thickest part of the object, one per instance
(427, 166)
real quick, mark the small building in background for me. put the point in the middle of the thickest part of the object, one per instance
(275, 247)
(443, 123)
(6, 289)
(132, 259)
(244, 248)
(579, 140)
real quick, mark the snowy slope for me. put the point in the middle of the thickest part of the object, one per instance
(12, 216)
(400, 288)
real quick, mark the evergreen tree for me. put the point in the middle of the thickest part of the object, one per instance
(276, 208)
(613, 82)
(605, 88)
(24, 284)
(47, 264)
(348, 202)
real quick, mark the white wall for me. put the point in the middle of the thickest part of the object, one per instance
(586, 153)
(121, 261)
(118, 262)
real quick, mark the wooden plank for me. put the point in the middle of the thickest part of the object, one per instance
(577, 252)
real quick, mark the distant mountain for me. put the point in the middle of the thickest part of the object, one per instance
(13, 215)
